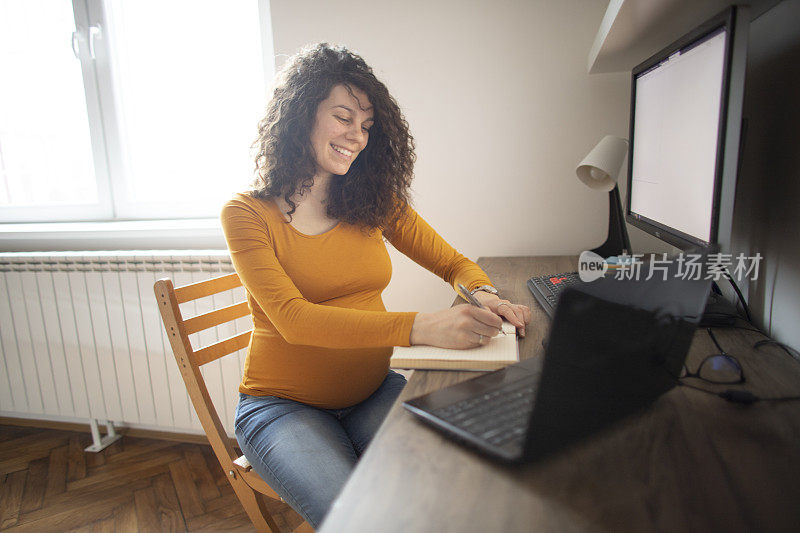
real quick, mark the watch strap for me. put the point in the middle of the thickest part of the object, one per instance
(485, 288)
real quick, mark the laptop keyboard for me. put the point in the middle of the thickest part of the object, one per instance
(499, 417)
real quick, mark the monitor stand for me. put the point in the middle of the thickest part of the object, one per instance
(719, 312)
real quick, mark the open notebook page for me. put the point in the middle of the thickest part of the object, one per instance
(500, 351)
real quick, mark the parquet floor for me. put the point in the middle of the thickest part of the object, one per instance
(48, 483)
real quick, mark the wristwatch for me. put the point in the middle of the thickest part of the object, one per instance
(487, 288)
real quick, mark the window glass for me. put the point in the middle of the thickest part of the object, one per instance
(189, 83)
(45, 147)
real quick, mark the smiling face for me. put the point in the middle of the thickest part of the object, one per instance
(341, 129)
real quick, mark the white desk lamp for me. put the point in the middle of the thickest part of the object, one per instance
(599, 170)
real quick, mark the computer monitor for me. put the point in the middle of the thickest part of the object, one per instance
(685, 130)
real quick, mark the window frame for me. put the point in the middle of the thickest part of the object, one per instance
(103, 109)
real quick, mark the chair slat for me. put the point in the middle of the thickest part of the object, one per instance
(242, 478)
(216, 317)
(193, 291)
(223, 347)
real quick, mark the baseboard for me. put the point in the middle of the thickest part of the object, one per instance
(192, 438)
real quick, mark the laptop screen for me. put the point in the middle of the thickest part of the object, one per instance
(615, 346)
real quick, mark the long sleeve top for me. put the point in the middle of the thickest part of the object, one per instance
(321, 334)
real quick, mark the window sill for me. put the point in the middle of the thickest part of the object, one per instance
(202, 233)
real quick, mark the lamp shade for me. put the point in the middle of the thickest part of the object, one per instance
(599, 169)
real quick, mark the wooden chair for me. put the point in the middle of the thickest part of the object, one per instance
(243, 479)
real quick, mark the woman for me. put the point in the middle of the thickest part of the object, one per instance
(334, 162)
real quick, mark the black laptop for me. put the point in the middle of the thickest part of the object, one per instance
(614, 347)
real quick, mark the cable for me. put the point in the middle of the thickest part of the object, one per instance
(746, 329)
(739, 294)
(739, 396)
(716, 343)
(742, 397)
(792, 352)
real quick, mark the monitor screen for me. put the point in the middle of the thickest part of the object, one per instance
(679, 116)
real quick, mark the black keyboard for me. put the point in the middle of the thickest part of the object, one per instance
(499, 417)
(547, 289)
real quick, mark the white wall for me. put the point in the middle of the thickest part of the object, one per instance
(502, 110)
(768, 191)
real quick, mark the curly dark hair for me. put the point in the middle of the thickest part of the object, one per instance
(374, 191)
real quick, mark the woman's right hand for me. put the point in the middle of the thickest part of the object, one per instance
(459, 327)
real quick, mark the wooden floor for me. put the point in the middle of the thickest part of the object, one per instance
(48, 483)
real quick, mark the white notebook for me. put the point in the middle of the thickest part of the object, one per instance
(499, 352)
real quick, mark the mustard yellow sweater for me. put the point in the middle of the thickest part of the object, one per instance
(322, 335)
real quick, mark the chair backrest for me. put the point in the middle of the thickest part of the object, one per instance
(243, 479)
(190, 360)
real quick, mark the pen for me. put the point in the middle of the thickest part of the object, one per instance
(472, 300)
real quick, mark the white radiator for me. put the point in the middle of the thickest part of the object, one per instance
(81, 338)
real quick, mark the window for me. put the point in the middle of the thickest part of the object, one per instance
(122, 110)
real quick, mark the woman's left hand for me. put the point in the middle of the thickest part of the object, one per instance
(517, 314)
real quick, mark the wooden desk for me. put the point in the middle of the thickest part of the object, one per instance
(693, 462)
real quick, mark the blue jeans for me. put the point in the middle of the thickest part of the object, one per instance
(306, 453)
